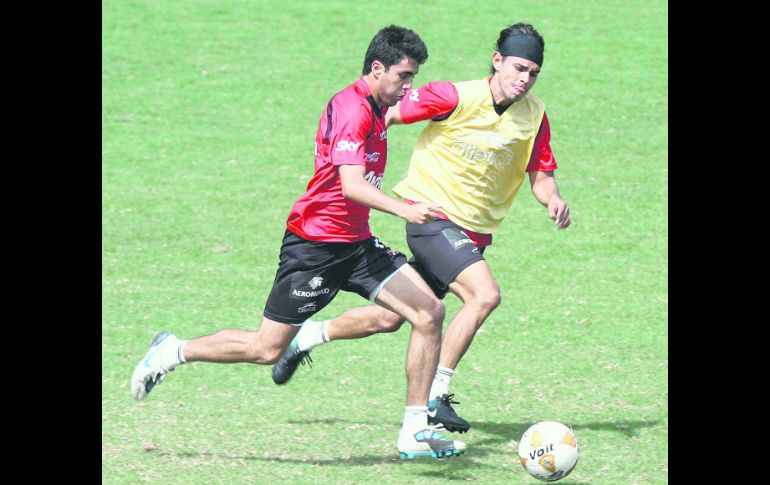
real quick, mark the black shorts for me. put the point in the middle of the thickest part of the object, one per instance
(441, 251)
(310, 273)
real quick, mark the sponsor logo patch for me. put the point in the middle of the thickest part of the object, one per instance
(310, 294)
(307, 307)
(347, 146)
(456, 238)
(373, 179)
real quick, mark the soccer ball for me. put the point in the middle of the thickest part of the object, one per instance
(548, 451)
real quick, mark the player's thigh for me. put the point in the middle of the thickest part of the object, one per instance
(308, 278)
(475, 282)
(407, 294)
(441, 252)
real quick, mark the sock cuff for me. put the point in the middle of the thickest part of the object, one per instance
(325, 330)
(415, 409)
(445, 371)
(180, 352)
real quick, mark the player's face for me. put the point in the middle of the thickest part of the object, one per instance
(394, 82)
(514, 78)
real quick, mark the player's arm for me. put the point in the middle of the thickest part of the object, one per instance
(541, 166)
(546, 191)
(433, 101)
(357, 189)
(393, 116)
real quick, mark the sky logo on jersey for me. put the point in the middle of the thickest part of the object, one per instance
(347, 146)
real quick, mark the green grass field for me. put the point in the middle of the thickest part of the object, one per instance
(208, 116)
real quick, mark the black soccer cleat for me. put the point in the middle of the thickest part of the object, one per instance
(287, 364)
(440, 412)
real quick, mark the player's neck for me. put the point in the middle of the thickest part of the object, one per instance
(372, 83)
(497, 94)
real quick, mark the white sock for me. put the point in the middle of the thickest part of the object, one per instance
(441, 382)
(312, 334)
(173, 355)
(180, 352)
(415, 419)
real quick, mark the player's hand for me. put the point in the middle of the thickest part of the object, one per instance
(422, 212)
(558, 211)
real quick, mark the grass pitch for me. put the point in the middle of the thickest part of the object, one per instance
(209, 112)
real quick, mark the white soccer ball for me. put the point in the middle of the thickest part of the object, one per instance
(549, 451)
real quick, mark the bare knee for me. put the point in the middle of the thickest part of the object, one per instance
(431, 318)
(262, 352)
(386, 322)
(270, 355)
(486, 300)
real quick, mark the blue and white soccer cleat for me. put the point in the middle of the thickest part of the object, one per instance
(428, 442)
(150, 371)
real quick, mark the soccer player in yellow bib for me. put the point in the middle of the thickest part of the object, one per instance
(481, 139)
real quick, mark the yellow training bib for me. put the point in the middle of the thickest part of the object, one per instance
(474, 162)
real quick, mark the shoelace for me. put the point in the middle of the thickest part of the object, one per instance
(448, 399)
(158, 377)
(306, 359)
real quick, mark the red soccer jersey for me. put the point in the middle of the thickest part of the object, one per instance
(351, 131)
(436, 101)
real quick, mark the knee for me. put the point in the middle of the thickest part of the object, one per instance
(387, 322)
(437, 313)
(269, 355)
(262, 352)
(488, 299)
(432, 317)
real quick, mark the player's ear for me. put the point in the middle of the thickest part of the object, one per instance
(377, 69)
(497, 60)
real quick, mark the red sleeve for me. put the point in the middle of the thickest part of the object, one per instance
(348, 136)
(436, 99)
(542, 157)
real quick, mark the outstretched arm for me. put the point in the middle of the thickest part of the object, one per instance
(546, 191)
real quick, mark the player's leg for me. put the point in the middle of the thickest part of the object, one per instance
(352, 324)
(407, 294)
(263, 346)
(480, 294)
(477, 288)
(297, 293)
(166, 352)
(444, 255)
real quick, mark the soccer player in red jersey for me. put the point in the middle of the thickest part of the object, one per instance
(483, 137)
(328, 247)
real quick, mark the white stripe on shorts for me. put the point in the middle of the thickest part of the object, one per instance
(379, 287)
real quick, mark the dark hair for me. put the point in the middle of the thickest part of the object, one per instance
(391, 45)
(517, 29)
